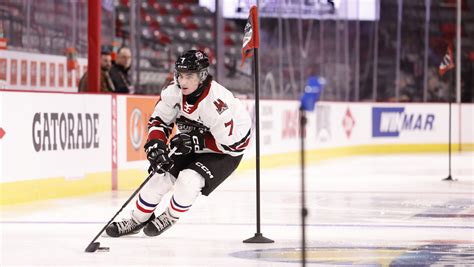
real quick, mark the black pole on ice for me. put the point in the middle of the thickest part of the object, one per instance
(258, 237)
(312, 92)
(304, 211)
(450, 178)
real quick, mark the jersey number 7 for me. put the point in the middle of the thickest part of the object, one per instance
(231, 124)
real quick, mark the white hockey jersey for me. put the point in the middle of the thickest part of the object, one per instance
(217, 114)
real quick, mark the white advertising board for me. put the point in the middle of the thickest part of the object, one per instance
(313, 9)
(467, 123)
(54, 135)
(133, 115)
(38, 72)
(2, 136)
(69, 135)
(385, 123)
(350, 124)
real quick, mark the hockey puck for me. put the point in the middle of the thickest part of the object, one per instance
(103, 249)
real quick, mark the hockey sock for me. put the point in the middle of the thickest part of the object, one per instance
(143, 209)
(176, 209)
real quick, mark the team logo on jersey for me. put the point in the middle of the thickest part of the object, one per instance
(220, 106)
(187, 107)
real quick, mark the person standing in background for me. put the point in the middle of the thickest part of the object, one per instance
(119, 71)
(106, 84)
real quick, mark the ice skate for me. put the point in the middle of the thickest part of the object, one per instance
(160, 224)
(126, 227)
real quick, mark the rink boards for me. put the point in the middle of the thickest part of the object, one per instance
(55, 145)
(37, 72)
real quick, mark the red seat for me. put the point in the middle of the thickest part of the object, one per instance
(154, 24)
(160, 9)
(184, 10)
(161, 37)
(449, 30)
(471, 55)
(187, 23)
(228, 41)
(228, 27)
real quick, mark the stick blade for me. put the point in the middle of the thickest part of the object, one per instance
(92, 247)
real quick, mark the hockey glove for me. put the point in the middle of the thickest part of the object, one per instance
(187, 143)
(157, 154)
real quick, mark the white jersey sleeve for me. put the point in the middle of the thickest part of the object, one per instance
(161, 121)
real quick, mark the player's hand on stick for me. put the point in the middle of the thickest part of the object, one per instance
(186, 143)
(157, 154)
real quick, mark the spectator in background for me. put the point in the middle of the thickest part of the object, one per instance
(106, 84)
(438, 89)
(119, 71)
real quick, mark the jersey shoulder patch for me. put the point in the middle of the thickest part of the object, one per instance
(221, 98)
(220, 105)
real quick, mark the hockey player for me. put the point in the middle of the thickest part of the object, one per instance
(213, 132)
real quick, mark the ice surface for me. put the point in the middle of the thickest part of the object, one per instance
(365, 211)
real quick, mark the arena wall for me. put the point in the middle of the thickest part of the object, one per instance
(55, 145)
(38, 72)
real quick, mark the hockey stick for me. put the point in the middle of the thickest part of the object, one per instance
(94, 246)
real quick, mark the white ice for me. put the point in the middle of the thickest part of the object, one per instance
(364, 211)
